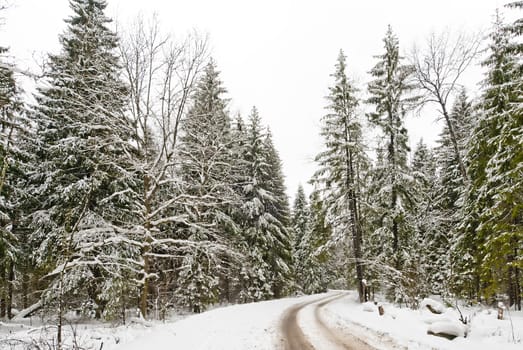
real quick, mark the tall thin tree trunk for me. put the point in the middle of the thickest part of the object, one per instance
(146, 249)
(25, 288)
(10, 282)
(517, 285)
(2, 293)
(353, 208)
(394, 194)
(454, 140)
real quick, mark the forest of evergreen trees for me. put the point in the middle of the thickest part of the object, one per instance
(127, 183)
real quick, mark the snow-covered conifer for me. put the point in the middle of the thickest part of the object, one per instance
(389, 94)
(493, 211)
(14, 158)
(84, 171)
(205, 170)
(265, 221)
(341, 163)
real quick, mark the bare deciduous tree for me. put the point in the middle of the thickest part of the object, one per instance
(438, 67)
(161, 74)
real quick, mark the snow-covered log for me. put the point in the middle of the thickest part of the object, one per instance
(449, 330)
(28, 311)
(434, 306)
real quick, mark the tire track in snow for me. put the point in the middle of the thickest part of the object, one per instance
(295, 339)
(343, 339)
(293, 336)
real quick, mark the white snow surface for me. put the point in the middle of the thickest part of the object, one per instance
(454, 328)
(436, 305)
(407, 328)
(257, 326)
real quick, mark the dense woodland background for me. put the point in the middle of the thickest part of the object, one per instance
(126, 183)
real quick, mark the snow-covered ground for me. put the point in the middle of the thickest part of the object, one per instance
(257, 326)
(237, 327)
(408, 328)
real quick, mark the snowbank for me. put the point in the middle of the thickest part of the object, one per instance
(408, 328)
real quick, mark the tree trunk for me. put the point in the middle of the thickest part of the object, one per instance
(353, 208)
(146, 249)
(2, 305)
(394, 194)
(25, 289)
(10, 281)
(511, 285)
(517, 285)
(517, 289)
(454, 140)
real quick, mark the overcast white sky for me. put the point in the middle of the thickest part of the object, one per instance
(277, 55)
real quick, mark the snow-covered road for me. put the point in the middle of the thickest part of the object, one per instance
(304, 326)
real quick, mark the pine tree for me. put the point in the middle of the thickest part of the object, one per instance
(205, 154)
(389, 93)
(84, 170)
(340, 165)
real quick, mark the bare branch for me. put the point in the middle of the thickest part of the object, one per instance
(438, 68)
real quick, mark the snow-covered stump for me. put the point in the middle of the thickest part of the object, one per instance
(501, 309)
(371, 307)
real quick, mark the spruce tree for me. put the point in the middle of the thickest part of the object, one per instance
(341, 164)
(84, 171)
(449, 191)
(313, 253)
(14, 134)
(389, 93)
(300, 227)
(493, 205)
(278, 207)
(429, 262)
(266, 218)
(300, 216)
(204, 156)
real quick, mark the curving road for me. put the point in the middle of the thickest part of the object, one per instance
(294, 337)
